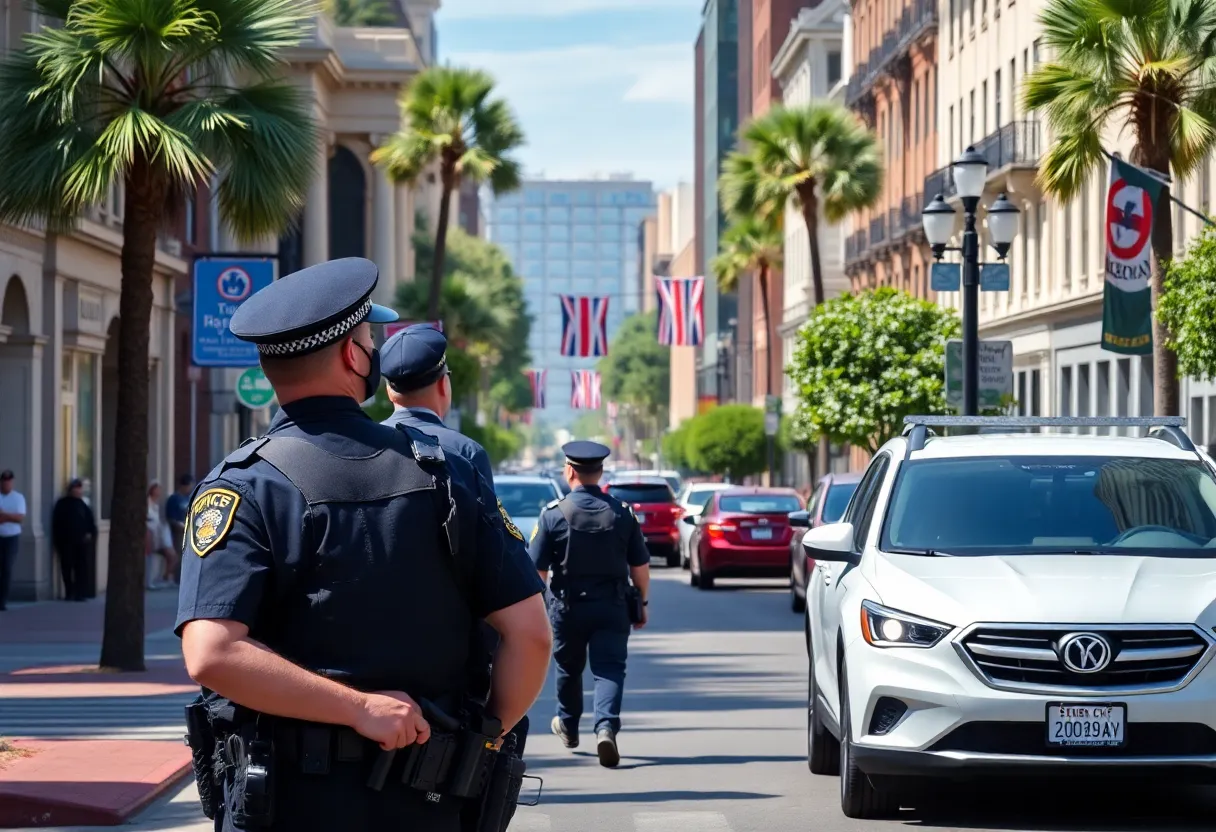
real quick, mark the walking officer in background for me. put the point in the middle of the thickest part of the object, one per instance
(593, 546)
(419, 381)
(333, 574)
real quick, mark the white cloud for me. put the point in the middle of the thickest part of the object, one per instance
(484, 9)
(650, 73)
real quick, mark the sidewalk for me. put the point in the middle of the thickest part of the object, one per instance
(98, 747)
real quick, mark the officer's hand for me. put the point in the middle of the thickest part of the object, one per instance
(392, 719)
(645, 619)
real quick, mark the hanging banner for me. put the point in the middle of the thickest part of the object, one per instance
(1127, 317)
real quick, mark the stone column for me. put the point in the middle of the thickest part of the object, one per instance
(316, 209)
(405, 231)
(384, 232)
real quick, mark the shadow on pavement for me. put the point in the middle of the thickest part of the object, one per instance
(1068, 806)
(650, 797)
(630, 761)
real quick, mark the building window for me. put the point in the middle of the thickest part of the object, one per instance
(1066, 209)
(559, 232)
(532, 232)
(971, 133)
(534, 198)
(1040, 244)
(1013, 89)
(916, 109)
(506, 215)
(558, 198)
(996, 99)
(558, 213)
(952, 24)
(610, 215)
(834, 68)
(1084, 231)
(1065, 404)
(951, 122)
(1025, 61)
(534, 215)
(1035, 46)
(984, 108)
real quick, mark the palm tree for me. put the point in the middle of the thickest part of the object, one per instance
(753, 243)
(449, 117)
(139, 93)
(362, 13)
(1150, 65)
(819, 156)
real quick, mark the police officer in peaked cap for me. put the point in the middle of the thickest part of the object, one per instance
(333, 574)
(415, 367)
(593, 546)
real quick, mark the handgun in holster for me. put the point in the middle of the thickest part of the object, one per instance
(248, 756)
(200, 737)
(502, 791)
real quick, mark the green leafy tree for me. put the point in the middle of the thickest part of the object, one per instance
(637, 369)
(139, 93)
(864, 362)
(362, 12)
(1188, 307)
(675, 447)
(728, 440)
(752, 243)
(819, 156)
(450, 119)
(1149, 65)
(500, 443)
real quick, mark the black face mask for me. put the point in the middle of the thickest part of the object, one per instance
(371, 381)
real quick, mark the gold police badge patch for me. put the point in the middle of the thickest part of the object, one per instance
(535, 529)
(511, 527)
(211, 519)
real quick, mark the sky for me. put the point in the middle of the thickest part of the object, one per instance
(599, 86)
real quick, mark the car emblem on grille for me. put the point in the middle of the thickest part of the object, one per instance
(1085, 652)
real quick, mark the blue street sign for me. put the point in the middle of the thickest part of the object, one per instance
(994, 277)
(220, 286)
(946, 277)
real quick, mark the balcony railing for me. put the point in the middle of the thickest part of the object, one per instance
(895, 225)
(917, 19)
(1017, 144)
(855, 246)
(857, 83)
(910, 211)
(878, 231)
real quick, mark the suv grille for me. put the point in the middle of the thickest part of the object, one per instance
(1115, 658)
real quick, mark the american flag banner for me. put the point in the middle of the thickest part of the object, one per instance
(681, 310)
(585, 389)
(584, 326)
(537, 378)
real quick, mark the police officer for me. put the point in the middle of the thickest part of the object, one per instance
(593, 545)
(333, 574)
(419, 381)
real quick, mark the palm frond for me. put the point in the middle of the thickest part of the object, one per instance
(749, 244)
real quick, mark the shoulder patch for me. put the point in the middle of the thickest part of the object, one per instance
(211, 517)
(511, 527)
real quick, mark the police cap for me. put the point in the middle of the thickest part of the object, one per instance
(586, 456)
(414, 358)
(310, 309)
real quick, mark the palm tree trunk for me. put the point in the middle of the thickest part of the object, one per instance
(447, 178)
(810, 215)
(122, 643)
(768, 330)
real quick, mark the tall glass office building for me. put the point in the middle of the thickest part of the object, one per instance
(572, 238)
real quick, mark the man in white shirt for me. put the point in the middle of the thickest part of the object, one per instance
(12, 515)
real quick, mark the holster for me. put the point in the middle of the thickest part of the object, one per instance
(200, 737)
(633, 602)
(502, 791)
(248, 758)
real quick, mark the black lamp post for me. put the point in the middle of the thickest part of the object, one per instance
(970, 173)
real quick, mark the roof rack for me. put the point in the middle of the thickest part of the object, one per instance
(1167, 428)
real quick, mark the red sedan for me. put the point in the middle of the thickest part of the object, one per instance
(654, 504)
(743, 533)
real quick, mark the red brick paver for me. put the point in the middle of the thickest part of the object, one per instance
(86, 782)
(163, 676)
(63, 622)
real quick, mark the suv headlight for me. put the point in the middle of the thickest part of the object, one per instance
(884, 627)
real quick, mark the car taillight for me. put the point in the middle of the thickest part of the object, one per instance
(717, 531)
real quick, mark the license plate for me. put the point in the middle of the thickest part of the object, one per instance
(762, 534)
(1073, 724)
(641, 518)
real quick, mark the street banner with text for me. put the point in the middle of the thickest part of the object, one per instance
(1127, 314)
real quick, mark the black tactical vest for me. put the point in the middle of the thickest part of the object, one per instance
(595, 546)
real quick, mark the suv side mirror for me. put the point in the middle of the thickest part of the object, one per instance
(800, 519)
(690, 519)
(832, 543)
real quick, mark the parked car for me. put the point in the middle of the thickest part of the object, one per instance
(1029, 604)
(654, 503)
(673, 477)
(827, 505)
(692, 499)
(524, 497)
(742, 533)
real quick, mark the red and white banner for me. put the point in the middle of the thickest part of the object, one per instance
(584, 326)
(681, 311)
(537, 379)
(585, 389)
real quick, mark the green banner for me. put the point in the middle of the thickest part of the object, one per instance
(1131, 204)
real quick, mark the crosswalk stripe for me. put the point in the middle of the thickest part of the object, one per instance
(680, 822)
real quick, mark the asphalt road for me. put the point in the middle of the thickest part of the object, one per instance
(713, 741)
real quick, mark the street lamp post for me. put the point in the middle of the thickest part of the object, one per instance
(970, 172)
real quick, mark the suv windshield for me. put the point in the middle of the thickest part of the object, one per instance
(1022, 504)
(837, 501)
(524, 499)
(642, 493)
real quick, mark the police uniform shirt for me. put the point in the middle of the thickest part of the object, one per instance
(452, 441)
(253, 555)
(548, 545)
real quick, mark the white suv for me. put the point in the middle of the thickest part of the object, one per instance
(1015, 604)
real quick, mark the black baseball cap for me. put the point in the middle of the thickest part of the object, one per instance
(6, 474)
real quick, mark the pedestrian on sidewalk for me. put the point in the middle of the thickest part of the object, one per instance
(177, 506)
(12, 516)
(160, 572)
(73, 532)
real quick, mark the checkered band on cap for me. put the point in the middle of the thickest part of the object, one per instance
(319, 339)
